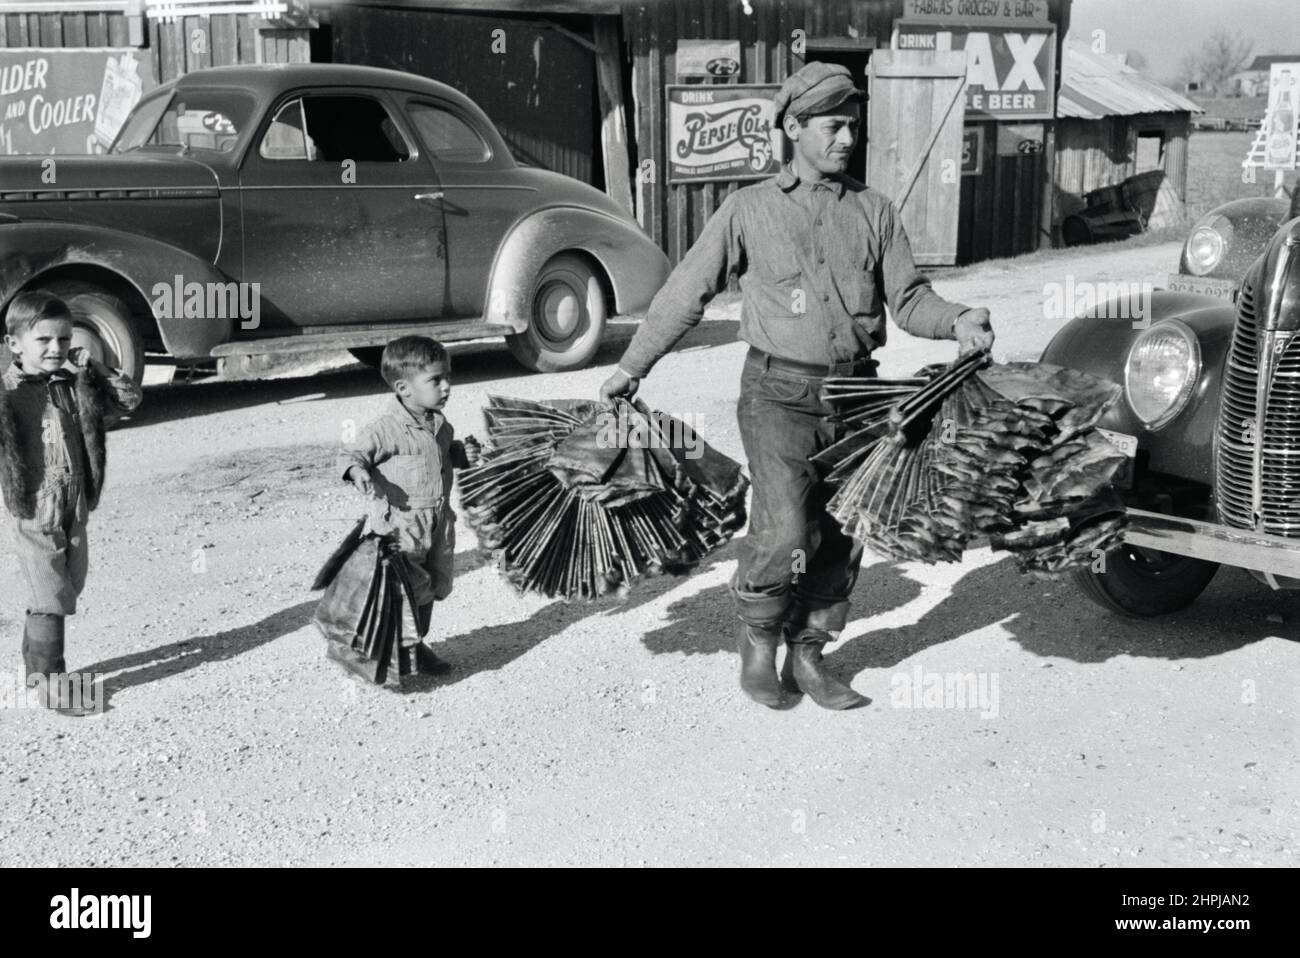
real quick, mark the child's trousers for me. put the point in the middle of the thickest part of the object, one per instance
(52, 550)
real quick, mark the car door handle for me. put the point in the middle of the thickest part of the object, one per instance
(429, 196)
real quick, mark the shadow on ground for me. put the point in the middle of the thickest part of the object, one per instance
(1232, 613)
(176, 658)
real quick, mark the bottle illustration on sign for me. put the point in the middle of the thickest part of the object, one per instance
(1280, 139)
(120, 93)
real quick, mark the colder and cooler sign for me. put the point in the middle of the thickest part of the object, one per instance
(1010, 52)
(67, 101)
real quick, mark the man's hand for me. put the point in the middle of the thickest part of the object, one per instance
(360, 477)
(973, 331)
(81, 358)
(473, 450)
(619, 384)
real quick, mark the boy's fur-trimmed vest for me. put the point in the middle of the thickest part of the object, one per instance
(19, 480)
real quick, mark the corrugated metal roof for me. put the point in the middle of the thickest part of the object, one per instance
(1094, 85)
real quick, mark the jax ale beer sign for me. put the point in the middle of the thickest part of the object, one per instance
(721, 133)
(1010, 48)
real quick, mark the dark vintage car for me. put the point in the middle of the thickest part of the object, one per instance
(1225, 241)
(258, 209)
(1210, 414)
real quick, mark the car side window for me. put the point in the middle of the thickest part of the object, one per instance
(448, 137)
(355, 128)
(286, 138)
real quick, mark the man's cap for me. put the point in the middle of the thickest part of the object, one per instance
(816, 87)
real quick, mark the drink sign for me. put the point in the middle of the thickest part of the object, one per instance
(67, 101)
(1282, 116)
(722, 133)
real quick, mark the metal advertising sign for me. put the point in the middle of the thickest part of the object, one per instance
(1010, 69)
(67, 101)
(713, 59)
(722, 133)
(1282, 116)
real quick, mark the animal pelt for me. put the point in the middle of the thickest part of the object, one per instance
(18, 484)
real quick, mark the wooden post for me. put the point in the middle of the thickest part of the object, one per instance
(613, 117)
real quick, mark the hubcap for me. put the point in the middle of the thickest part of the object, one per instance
(94, 336)
(559, 311)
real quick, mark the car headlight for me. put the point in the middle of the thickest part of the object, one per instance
(1208, 242)
(1163, 367)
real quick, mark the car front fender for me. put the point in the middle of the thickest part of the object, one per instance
(1098, 343)
(30, 251)
(635, 267)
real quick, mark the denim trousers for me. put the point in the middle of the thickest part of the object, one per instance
(796, 565)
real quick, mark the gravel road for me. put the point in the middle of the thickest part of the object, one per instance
(614, 733)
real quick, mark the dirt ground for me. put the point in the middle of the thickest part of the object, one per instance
(614, 733)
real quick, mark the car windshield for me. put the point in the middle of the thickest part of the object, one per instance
(188, 120)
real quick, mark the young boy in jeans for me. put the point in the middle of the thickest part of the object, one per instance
(404, 460)
(52, 458)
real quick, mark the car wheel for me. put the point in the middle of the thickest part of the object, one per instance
(1144, 582)
(568, 318)
(369, 355)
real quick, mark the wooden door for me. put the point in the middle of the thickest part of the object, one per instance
(914, 131)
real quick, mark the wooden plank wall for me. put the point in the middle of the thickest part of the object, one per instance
(1001, 211)
(1096, 153)
(231, 38)
(674, 215)
(544, 108)
(1000, 208)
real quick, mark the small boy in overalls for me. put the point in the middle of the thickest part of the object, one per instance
(404, 460)
(52, 458)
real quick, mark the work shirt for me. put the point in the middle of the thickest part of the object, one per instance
(410, 459)
(818, 263)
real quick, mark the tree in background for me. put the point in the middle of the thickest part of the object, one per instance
(1219, 57)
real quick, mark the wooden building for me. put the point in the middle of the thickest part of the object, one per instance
(1003, 187)
(612, 91)
(1115, 124)
(175, 39)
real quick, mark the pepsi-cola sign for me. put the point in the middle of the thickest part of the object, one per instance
(722, 133)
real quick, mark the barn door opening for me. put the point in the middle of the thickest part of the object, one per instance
(853, 55)
(914, 148)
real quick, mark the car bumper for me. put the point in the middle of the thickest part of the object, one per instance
(1258, 551)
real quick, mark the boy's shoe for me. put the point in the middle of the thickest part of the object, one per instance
(428, 663)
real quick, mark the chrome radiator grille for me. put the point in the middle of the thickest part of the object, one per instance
(1258, 470)
(1235, 463)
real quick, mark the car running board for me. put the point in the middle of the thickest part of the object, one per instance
(312, 340)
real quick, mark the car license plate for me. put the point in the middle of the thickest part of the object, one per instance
(1218, 288)
(1129, 446)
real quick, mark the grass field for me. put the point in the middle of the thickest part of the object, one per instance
(1214, 172)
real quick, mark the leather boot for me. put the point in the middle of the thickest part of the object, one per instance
(804, 661)
(43, 656)
(758, 664)
(29, 665)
